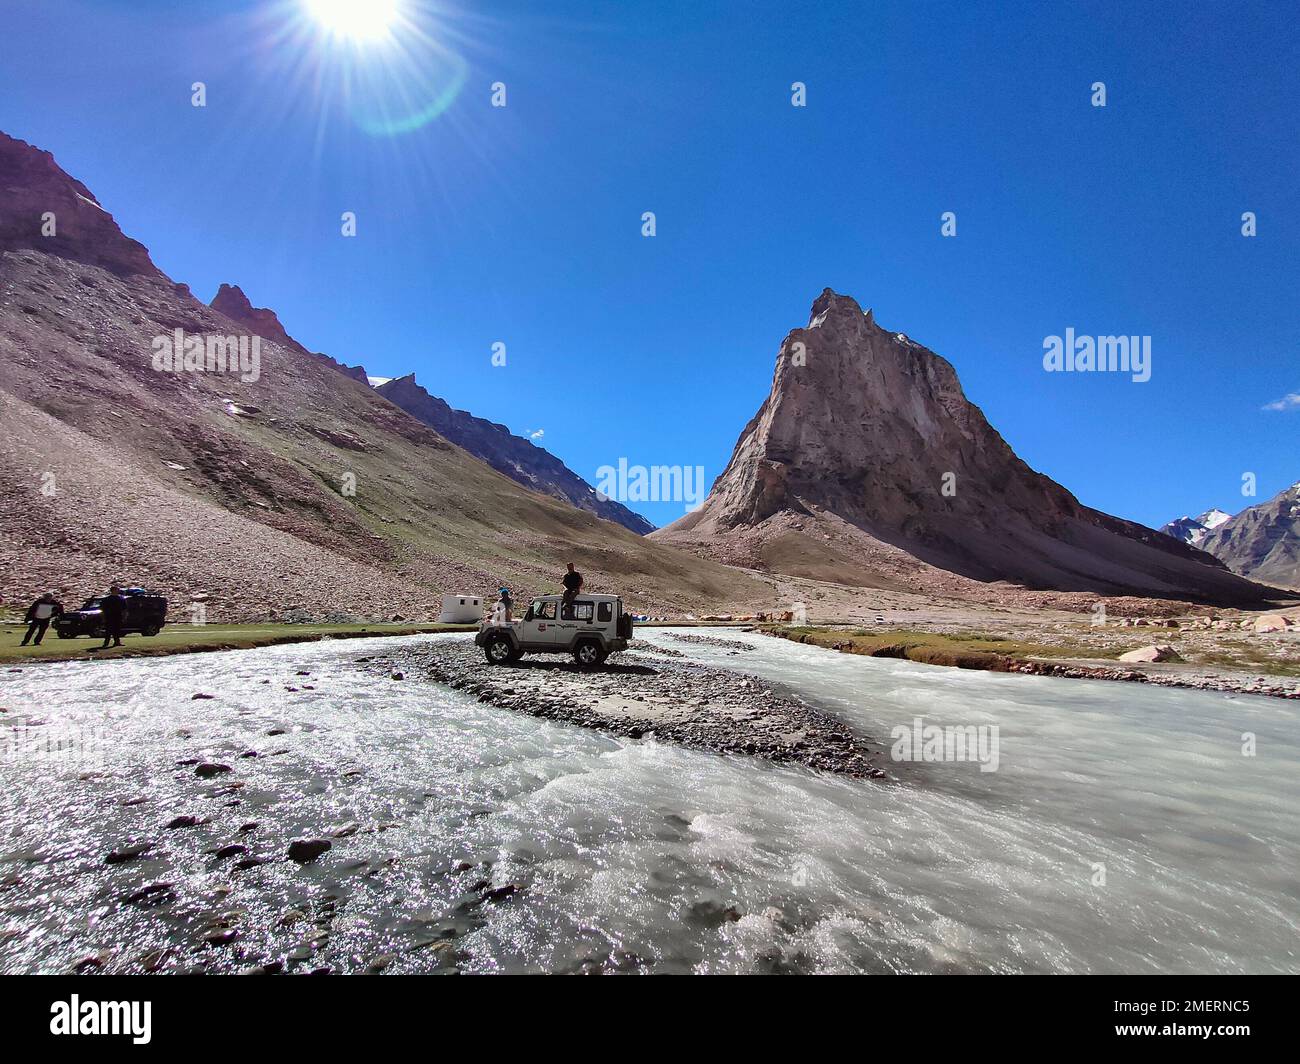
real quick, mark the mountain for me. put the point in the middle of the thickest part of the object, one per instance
(231, 301)
(1262, 542)
(284, 488)
(866, 464)
(516, 457)
(1194, 529)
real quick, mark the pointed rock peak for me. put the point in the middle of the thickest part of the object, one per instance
(404, 386)
(230, 297)
(831, 303)
(231, 301)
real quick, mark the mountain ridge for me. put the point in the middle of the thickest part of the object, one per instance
(231, 301)
(518, 458)
(1263, 541)
(534, 467)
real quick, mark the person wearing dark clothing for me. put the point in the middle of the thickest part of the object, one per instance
(39, 616)
(112, 608)
(572, 584)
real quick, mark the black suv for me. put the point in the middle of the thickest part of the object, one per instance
(146, 613)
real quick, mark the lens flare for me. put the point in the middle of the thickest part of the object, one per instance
(391, 65)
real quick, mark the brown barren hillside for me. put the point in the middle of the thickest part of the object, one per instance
(300, 488)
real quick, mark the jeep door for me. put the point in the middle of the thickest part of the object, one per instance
(543, 631)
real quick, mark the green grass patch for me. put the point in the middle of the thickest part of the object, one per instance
(964, 649)
(1250, 659)
(195, 638)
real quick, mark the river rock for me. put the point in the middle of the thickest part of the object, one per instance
(250, 862)
(1270, 622)
(151, 892)
(209, 769)
(1150, 654)
(306, 850)
(128, 853)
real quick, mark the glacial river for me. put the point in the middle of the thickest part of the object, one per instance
(1125, 830)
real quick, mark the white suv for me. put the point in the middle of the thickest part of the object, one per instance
(590, 627)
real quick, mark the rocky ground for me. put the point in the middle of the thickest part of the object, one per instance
(650, 692)
(1212, 652)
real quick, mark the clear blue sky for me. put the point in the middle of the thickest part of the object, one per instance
(523, 224)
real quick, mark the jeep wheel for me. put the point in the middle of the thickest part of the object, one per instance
(498, 651)
(589, 652)
(149, 629)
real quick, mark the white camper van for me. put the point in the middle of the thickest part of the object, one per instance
(461, 609)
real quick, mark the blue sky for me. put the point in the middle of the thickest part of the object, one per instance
(522, 224)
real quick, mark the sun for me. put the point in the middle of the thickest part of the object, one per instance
(355, 20)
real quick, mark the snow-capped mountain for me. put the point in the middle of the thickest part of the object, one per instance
(1194, 529)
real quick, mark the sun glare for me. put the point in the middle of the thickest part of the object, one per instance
(355, 20)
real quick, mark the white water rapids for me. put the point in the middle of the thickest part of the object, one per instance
(637, 855)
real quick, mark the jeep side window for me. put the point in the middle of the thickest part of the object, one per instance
(544, 611)
(605, 612)
(576, 611)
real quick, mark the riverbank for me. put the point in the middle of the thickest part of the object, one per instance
(1070, 658)
(1042, 644)
(645, 692)
(194, 639)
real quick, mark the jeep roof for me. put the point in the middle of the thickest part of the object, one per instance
(578, 595)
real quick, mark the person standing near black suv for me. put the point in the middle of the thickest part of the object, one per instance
(113, 609)
(39, 615)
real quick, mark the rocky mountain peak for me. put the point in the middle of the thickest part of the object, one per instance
(1194, 529)
(866, 440)
(1263, 541)
(231, 301)
(831, 304)
(44, 209)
